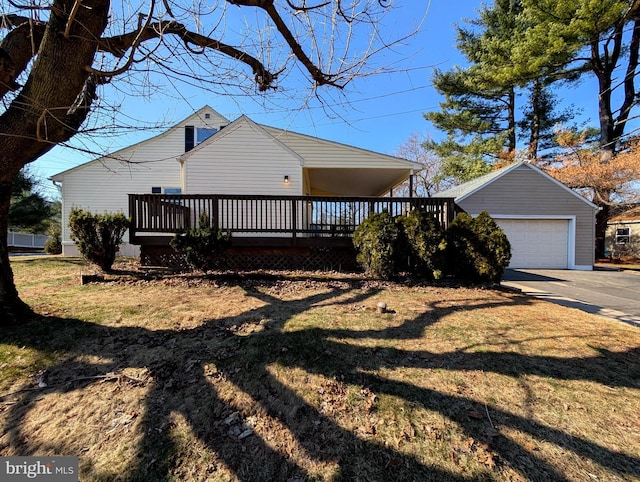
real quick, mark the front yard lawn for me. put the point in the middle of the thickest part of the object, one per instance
(300, 376)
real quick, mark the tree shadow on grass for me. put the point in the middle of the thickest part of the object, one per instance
(244, 349)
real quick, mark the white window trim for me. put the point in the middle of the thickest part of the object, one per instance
(202, 128)
(627, 236)
(163, 189)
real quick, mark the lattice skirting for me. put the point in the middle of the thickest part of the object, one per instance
(252, 258)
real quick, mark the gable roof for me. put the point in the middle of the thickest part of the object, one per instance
(463, 191)
(199, 114)
(632, 214)
(243, 119)
(315, 150)
(330, 168)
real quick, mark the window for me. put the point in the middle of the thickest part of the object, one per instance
(623, 235)
(166, 190)
(202, 134)
(195, 135)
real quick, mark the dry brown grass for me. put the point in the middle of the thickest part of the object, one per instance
(297, 377)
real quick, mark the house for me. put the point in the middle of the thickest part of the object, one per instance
(270, 187)
(623, 233)
(102, 185)
(548, 224)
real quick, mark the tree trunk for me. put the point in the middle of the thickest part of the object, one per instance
(534, 137)
(603, 67)
(603, 200)
(50, 108)
(602, 217)
(12, 307)
(511, 145)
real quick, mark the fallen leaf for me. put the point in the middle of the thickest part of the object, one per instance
(475, 414)
(489, 460)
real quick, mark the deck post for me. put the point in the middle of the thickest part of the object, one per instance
(133, 218)
(215, 213)
(451, 211)
(294, 220)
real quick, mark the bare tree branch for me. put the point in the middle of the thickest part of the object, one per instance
(72, 16)
(29, 6)
(118, 46)
(306, 9)
(11, 20)
(317, 75)
(137, 40)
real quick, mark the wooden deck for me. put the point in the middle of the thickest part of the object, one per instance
(272, 221)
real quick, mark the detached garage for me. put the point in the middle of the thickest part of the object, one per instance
(548, 224)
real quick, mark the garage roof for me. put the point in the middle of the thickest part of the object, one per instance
(466, 189)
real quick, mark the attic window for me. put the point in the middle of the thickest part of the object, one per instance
(623, 235)
(207, 116)
(196, 135)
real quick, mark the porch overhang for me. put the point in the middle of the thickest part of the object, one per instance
(375, 182)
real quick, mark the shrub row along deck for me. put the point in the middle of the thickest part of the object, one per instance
(310, 232)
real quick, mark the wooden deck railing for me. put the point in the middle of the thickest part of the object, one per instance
(265, 216)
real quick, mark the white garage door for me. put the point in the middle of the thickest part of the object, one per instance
(537, 243)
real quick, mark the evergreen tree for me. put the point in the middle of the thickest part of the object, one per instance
(29, 211)
(480, 114)
(476, 123)
(585, 37)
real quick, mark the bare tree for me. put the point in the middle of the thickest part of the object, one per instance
(428, 181)
(55, 57)
(579, 166)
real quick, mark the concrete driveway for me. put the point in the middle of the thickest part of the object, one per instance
(614, 294)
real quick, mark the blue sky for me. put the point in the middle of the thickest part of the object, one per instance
(378, 112)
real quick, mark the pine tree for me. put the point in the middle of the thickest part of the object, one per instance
(29, 211)
(583, 37)
(480, 114)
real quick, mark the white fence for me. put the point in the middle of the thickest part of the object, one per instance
(25, 240)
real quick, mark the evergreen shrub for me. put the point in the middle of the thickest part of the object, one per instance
(98, 236)
(54, 243)
(376, 240)
(201, 246)
(477, 249)
(424, 244)
(472, 249)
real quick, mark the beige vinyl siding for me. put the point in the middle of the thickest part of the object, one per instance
(632, 248)
(102, 185)
(524, 192)
(245, 160)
